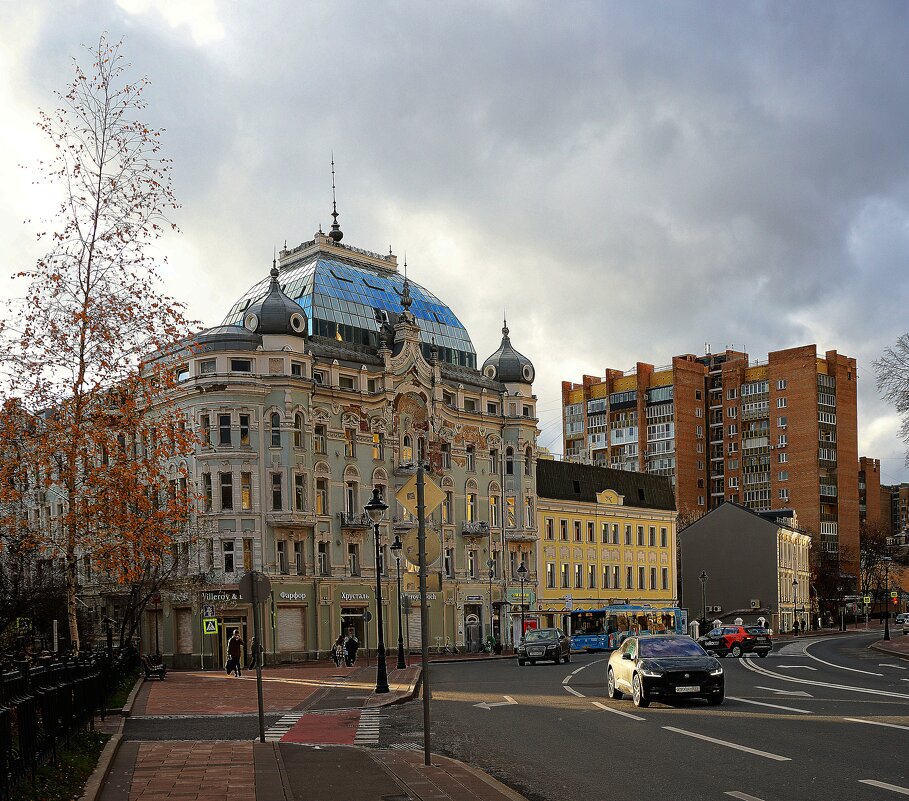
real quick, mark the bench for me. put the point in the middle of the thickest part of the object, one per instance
(153, 669)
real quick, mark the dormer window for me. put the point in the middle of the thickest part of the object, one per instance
(470, 405)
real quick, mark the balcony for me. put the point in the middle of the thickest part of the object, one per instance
(358, 520)
(476, 528)
(290, 519)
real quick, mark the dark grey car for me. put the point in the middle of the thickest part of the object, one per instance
(542, 644)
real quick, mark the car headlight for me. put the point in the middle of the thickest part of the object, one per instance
(651, 672)
(717, 671)
(551, 647)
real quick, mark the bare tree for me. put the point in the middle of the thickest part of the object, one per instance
(892, 371)
(97, 427)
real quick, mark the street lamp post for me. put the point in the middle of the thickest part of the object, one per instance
(375, 509)
(522, 574)
(156, 599)
(396, 548)
(703, 579)
(886, 560)
(795, 601)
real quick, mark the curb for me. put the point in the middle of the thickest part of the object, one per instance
(878, 646)
(470, 659)
(407, 695)
(483, 776)
(92, 789)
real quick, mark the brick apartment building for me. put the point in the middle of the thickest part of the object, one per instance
(871, 506)
(780, 432)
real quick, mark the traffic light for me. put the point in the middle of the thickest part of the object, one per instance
(895, 601)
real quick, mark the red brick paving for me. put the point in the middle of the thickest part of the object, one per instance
(194, 771)
(338, 728)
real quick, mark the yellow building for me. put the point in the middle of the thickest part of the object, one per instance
(606, 537)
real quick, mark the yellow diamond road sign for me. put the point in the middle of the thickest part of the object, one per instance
(210, 625)
(432, 495)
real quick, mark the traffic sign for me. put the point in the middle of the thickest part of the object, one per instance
(432, 495)
(894, 594)
(411, 542)
(208, 611)
(866, 599)
(210, 625)
(367, 615)
(255, 585)
(23, 625)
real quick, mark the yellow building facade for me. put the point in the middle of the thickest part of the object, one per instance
(606, 537)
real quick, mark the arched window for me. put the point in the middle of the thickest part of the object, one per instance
(298, 430)
(275, 430)
(528, 463)
(509, 461)
(407, 450)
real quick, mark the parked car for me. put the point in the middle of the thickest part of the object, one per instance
(901, 617)
(665, 667)
(541, 644)
(737, 640)
(906, 625)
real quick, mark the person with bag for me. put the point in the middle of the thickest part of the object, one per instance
(351, 645)
(235, 652)
(338, 652)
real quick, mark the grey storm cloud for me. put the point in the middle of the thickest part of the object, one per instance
(629, 180)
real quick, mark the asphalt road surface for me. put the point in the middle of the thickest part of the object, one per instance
(823, 719)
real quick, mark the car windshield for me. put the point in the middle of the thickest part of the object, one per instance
(670, 646)
(540, 634)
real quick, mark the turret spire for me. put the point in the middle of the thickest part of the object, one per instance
(336, 234)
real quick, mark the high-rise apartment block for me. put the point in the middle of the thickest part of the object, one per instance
(774, 433)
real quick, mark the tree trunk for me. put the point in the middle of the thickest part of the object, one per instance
(71, 601)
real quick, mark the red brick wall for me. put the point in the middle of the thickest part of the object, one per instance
(688, 377)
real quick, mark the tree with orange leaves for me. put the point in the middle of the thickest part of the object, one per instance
(100, 486)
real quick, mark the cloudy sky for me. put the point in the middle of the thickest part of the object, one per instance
(630, 180)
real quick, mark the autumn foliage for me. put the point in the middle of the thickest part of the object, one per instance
(92, 477)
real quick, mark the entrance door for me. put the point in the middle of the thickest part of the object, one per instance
(227, 627)
(352, 618)
(473, 630)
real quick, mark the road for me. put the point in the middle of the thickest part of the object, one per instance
(818, 720)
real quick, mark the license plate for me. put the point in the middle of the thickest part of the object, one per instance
(537, 651)
(688, 688)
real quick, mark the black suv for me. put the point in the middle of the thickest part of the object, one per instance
(540, 644)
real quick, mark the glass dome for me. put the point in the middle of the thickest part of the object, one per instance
(342, 300)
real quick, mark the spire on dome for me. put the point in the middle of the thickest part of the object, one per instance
(336, 234)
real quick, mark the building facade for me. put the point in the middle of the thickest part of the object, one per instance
(333, 376)
(606, 537)
(870, 493)
(781, 432)
(754, 565)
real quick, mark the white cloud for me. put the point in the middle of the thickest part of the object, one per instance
(199, 17)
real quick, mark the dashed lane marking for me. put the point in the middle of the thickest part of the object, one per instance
(727, 744)
(894, 788)
(617, 711)
(746, 663)
(890, 665)
(573, 691)
(741, 796)
(774, 706)
(877, 723)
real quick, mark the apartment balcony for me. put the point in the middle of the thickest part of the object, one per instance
(520, 535)
(475, 528)
(290, 519)
(355, 520)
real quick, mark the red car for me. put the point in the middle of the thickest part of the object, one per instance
(737, 640)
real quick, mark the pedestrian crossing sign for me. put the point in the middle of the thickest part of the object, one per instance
(210, 625)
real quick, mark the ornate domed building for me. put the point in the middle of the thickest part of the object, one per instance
(326, 379)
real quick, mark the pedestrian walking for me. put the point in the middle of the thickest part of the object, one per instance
(795, 628)
(255, 651)
(338, 652)
(351, 645)
(235, 651)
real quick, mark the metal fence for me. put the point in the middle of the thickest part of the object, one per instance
(44, 701)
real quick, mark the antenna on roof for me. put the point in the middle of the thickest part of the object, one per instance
(335, 234)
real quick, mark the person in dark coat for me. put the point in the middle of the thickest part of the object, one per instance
(235, 651)
(351, 645)
(255, 651)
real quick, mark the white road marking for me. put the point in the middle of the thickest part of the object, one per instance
(884, 786)
(509, 701)
(582, 667)
(573, 672)
(887, 664)
(801, 693)
(617, 711)
(726, 743)
(774, 706)
(831, 664)
(877, 723)
(573, 691)
(567, 678)
(814, 683)
(741, 796)
(797, 667)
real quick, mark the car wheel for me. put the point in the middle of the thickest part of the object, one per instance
(611, 690)
(637, 692)
(522, 662)
(737, 650)
(533, 661)
(715, 700)
(763, 654)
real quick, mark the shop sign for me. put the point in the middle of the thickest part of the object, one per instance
(415, 596)
(286, 595)
(473, 598)
(355, 596)
(528, 599)
(221, 596)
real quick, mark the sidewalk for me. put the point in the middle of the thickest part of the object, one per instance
(313, 752)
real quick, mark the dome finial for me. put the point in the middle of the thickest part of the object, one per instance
(336, 234)
(504, 324)
(274, 263)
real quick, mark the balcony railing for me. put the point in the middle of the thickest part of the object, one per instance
(354, 520)
(477, 528)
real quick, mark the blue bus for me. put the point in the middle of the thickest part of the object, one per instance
(604, 628)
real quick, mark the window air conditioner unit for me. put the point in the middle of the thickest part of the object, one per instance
(755, 603)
